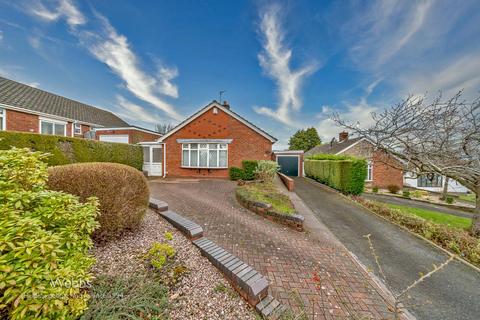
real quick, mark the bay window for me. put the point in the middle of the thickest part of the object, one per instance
(205, 155)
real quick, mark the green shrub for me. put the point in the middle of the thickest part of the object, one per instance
(44, 242)
(346, 175)
(393, 188)
(235, 173)
(375, 189)
(159, 253)
(419, 193)
(65, 150)
(406, 193)
(327, 156)
(122, 191)
(249, 167)
(449, 200)
(266, 170)
(136, 297)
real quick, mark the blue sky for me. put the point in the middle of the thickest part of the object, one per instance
(284, 64)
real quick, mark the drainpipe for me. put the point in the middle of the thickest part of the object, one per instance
(164, 160)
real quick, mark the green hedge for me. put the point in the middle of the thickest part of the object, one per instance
(346, 174)
(65, 150)
(247, 172)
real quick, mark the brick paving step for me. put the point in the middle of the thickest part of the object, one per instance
(189, 228)
(270, 308)
(252, 285)
(158, 205)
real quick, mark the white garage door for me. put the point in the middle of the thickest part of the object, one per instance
(122, 138)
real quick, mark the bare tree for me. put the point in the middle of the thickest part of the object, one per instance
(163, 128)
(437, 137)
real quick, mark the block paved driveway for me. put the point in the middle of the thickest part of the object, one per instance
(303, 269)
(451, 293)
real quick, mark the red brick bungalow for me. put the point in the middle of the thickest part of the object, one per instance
(27, 109)
(383, 170)
(207, 144)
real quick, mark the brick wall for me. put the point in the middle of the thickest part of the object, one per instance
(134, 136)
(386, 171)
(247, 144)
(21, 121)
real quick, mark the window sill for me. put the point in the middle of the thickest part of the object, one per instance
(210, 168)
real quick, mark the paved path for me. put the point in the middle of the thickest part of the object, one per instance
(452, 293)
(329, 283)
(416, 204)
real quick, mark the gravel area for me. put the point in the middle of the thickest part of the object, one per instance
(202, 292)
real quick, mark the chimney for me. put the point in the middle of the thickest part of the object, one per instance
(226, 105)
(342, 136)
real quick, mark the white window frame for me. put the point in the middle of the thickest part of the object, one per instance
(53, 122)
(3, 116)
(187, 147)
(75, 128)
(369, 171)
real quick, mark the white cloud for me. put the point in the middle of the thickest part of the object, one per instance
(461, 74)
(114, 50)
(134, 112)
(63, 9)
(1, 35)
(35, 42)
(275, 62)
(359, 113)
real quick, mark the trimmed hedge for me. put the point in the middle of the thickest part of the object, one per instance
(121, 190)
(247, 172)
(346, 174)
(66, 150)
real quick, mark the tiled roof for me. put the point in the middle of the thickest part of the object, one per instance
(20, 95)
(333, 148)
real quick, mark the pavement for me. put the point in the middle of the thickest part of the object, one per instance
(311, 272)
(416, 204)
(451, 293)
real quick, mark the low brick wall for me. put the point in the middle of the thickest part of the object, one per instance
(294, 221)
(287, 181)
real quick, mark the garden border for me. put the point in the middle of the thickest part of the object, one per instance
(294, 221)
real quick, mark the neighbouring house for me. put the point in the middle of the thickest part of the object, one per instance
(28, 109)
(206, 144)
(433, 183)
(382, 169)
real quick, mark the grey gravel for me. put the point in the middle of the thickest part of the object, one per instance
(202, 293)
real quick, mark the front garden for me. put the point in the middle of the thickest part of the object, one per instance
(78, 242)
(257, 192)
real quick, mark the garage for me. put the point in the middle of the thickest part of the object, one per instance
(119, 138)
(290, 162)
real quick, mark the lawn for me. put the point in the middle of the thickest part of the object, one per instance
(435, 216)
(268, 193)
(467, 197)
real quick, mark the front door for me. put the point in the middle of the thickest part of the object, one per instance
(153, 160)
(288, 165)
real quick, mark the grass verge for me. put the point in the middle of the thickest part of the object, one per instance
(435, 216)
(467, 197)
(455, 240)
(267, 193)
(130, 297)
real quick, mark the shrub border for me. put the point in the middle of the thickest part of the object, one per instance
(457, 257)
(294, 221)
